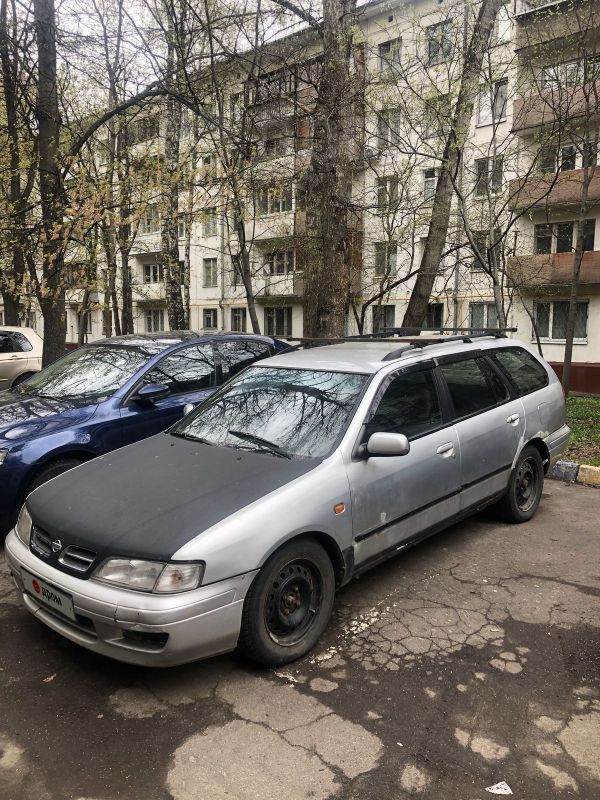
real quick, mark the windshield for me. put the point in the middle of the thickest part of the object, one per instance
(88, 373)
(287, 412)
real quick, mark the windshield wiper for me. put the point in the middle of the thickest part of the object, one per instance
(191, 438)
(264, 443)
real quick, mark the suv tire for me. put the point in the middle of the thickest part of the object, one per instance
(288, 605)
(524, 492)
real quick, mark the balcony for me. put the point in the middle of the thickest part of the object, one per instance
(552, 106)
(273, 111)
(553, 270)
(148, 292)
(554, 23)
(552, 189)
(281, 289)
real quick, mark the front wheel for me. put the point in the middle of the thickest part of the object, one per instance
(524, 493)
(288, 606)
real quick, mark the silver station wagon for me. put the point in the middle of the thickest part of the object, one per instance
(234, 528)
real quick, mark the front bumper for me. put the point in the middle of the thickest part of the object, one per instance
(135, 627)
(557, 443)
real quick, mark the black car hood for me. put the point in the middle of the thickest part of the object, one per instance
(22, 416)
(149, 499)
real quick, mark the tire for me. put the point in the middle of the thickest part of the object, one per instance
(524, 493)
(288, 606)
(20, 378)
(53, 470)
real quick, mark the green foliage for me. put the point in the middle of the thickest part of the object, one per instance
(583, 417)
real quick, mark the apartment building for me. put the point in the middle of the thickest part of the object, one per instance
(530, 148)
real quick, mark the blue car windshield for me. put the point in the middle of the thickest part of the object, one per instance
(89, 373)
(286, 412)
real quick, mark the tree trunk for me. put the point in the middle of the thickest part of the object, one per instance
(52, 201)
(328, 256)
(459, 131)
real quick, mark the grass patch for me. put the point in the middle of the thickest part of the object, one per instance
(583, 417)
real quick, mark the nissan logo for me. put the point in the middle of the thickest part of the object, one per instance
(56, 545)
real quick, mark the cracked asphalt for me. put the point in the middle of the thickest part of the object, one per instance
(471, 660)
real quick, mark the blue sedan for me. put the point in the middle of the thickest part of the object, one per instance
(106, 395)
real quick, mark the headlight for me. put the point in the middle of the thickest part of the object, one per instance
(3, 454)
(24, 525)
(150, 576)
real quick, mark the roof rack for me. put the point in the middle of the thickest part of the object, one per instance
(407, 336)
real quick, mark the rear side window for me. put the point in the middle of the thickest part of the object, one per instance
(237, 355)
(410, 405)
(186, 370)
(470, 388)
(22, 342)
(522, 369)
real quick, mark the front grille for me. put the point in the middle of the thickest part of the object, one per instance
(41, 543)
(76, 558)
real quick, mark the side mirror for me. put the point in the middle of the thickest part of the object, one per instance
(388, 444)
(188, 408)
(150, 392)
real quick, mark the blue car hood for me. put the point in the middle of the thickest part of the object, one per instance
(23, 417)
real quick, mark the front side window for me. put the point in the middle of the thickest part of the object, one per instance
(471, 389)
(186, 370)
(282, 412)
(410, 405)
(92, 372)
(523, 370)
(7, 344)
(237, 355)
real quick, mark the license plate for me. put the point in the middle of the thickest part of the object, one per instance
(48, 595)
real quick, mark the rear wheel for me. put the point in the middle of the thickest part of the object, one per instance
(53, 470)
(20, 378)
(288, 606)
(522, 499)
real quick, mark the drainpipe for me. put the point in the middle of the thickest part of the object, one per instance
(222, 258)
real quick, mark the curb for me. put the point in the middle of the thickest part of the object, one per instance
(572, 472)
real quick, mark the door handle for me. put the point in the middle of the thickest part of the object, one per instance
(512, 419)
(446, 450)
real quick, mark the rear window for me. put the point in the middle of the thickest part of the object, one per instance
(522, 369)
(470, 388)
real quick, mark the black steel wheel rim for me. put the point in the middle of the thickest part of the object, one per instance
(527, 484)
(293, 602)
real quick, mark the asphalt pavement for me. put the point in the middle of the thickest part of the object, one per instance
(466, 668)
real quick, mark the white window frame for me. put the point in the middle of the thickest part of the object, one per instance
(213, 282)
(154, 320)
(209, 222)
(213, 312)
(550, 339)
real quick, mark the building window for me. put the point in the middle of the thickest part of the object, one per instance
(568, 158)
(280, 262)
(558, 237)
(278, 321)
(546, 159)
(153, 273)
(384, 318)
(155, 320)
(429, 184)
(386, 254)
(551, 319)
(1, 317)
(492, 103)
(436, 115)
(209, 319)
(150, 220)
(439, 42)
(388, 126)
(274, 148)
(209, 222)
(489, 172)
(141, 130)
(481, 247)
(238, 320)
(389, 55)
(275, 199)
(209, 273)
(483, 316)
(502, 26)
(387, 193)
(589, 156)
(181, 226)
(435, 316)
